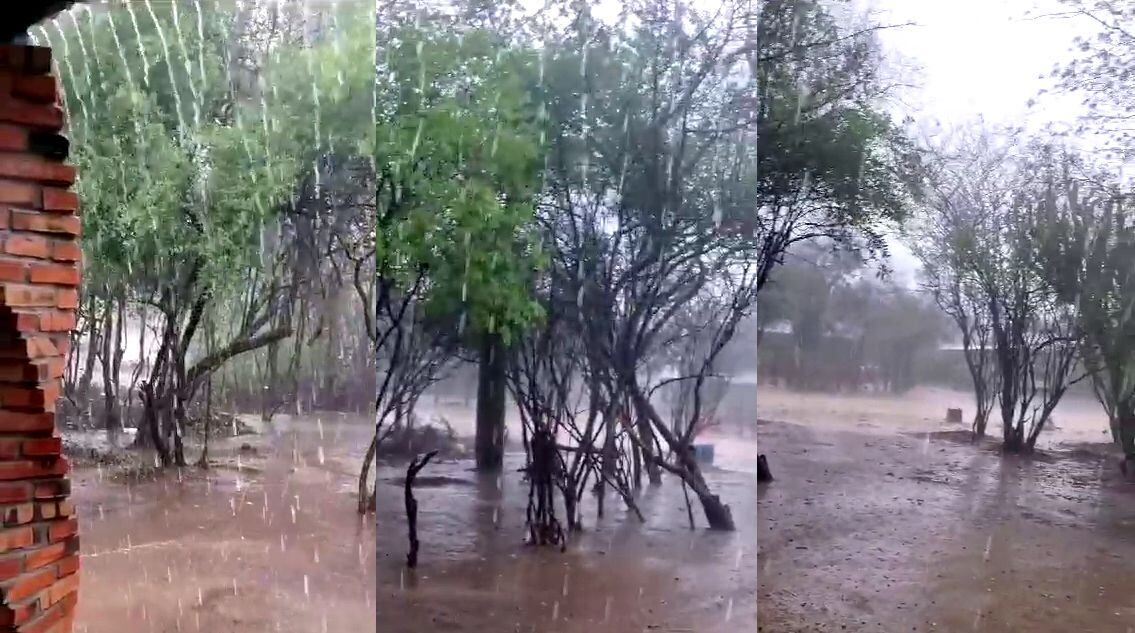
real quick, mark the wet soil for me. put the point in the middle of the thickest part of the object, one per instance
(264, 541)
(476, 575)
(883, 519)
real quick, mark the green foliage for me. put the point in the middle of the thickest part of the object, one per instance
(827, 151)
(458, 162)
(1087, 251)
(186, 152)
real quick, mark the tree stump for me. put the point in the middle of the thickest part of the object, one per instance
(1127, 467)
(763, 472)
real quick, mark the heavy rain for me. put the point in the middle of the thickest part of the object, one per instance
(216, 401)
(556, 316)
(565, 257)
(946, 385)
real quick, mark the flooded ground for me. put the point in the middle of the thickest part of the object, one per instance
(882, 518)
(267, 541)
(476, 575)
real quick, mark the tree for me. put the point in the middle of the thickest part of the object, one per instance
(458, 168)
(1089, 256)
(192, 164)
(966, 186)
(989, 249)
(1100, 69)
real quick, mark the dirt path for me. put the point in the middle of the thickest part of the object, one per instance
(269, 544)
(878, 530)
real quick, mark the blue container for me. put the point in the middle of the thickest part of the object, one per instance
(703, 453)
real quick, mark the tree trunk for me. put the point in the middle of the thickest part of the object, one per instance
(364, 490)
(152, 424)
(92, 345)
(980, 422)
(412, 506)
(491, 394)
(717, 514)
(204, 461)
(111, 339)
(653, 472)
(268, 389)
(1126, 432)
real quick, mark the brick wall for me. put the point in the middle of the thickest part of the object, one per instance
(39, 273)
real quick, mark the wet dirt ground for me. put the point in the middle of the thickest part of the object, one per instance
(269, 541)
(883, 519)
(476, 575)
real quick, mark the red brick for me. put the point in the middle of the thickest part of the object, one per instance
(69, 565)
(52, 489)
(23, 295)
(27, 321)
(28, 246)
(67, 298)
(15, 538)
(36, 115)
(10, 448)
(13, 271)
(46, 510)
(66, 508)
(38, 61)
(35, 88)
(18, 370)
(19, 422)
(43, 446)
(60, 200)
(66, 252)
(13, 138)
(60, 530)
(58, 274)
(38, 222)
(42, 347)
(26, 167)
(44, 556)
(12, 615)
(28, 585)
(13, 57)
(67, 623)
(27, 469)
(57, 321)
(18, 514)
(15, 491)
(10, 566)
(55, 620)
(53, 368)
(66, 586)
(24, 194)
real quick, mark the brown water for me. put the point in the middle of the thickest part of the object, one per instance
(475, 573)
(269, 543)
(874, 525)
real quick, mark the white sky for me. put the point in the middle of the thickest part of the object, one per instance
(967, 59)
(981, 57)
(970, 59)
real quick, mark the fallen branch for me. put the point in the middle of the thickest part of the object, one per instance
(412, 506)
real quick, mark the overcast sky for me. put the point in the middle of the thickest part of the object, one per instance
(967, 59)
(981, 57)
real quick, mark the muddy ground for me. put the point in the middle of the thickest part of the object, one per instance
(267, 541)
(882, 518)
(476, 575)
